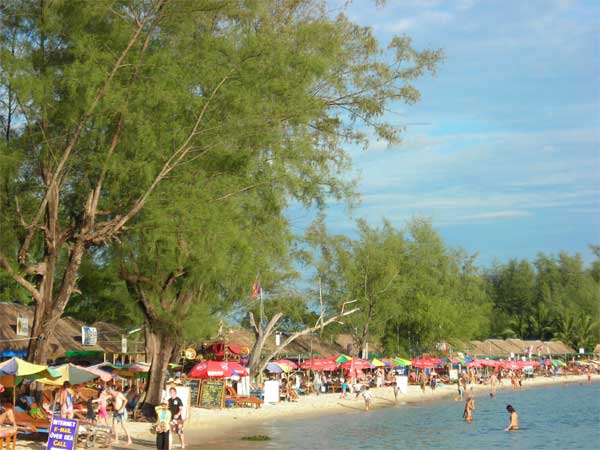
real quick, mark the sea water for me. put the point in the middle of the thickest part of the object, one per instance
(565, 416)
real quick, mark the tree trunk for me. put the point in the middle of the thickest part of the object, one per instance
(256, 353)
(44, 322)
(161, 350)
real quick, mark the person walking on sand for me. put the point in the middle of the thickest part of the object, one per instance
(66, 398)
(493, 382)
(176, 408)
(461, 388)
(422, 380)
(102, 401)
(367, 396)
(162, 427)
(514, 419)
(469, 408)
(119, 413)
(344, 384)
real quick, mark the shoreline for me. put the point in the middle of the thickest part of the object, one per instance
(215, 425)
(212, 427)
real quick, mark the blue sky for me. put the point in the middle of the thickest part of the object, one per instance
(502, 152)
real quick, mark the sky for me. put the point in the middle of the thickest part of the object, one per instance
(502, 151)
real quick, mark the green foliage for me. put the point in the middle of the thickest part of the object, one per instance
(197, 121)
(557, 297)
(411, 289)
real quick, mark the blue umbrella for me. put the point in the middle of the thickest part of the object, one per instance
(274, 368)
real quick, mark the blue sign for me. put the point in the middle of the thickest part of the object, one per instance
(63, 434)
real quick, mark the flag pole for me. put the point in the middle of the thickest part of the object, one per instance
(262, 308)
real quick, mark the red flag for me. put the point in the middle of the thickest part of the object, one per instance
(256, 289)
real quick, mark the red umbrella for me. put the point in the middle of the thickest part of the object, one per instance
(357, 364)
(474, 365)
(211, 369)
(511, 365)
(319, 364)
(426, 363)
(489, 363)
(356, 373)
(287, 362)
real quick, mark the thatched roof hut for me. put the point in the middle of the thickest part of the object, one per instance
(67, 334)
(503, 348)
(304, 346)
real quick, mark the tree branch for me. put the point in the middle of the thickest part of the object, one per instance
(74, 139)
(114, 226)
(296, 335)
(35, 293)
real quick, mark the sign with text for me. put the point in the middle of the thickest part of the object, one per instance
(89, 336)
(212, 394)
(22, 326)
(63, 434)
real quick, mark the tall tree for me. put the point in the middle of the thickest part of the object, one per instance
(117, 97)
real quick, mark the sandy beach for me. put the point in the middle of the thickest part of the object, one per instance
(206, 426)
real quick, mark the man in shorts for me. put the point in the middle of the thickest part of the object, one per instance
(176, 408)
(119, 401)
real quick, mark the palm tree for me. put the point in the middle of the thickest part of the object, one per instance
(540, 323)
(566, 329)
(584, 332)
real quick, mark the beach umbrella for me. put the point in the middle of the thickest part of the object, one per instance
(426, 363)
(75, 375)
(354, 373)
(474, 365)
(377, 363)
(237, 368)
(558, 363)
(402, 362)
(23, 369)
(287, 362)
(489, 362)
(357, 364)
(274, 367)
(511, 365)
(340, 359)
(319, 364)
(210, 369)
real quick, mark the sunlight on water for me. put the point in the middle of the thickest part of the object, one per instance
(560, 417)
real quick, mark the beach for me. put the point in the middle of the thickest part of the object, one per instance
(206, 425)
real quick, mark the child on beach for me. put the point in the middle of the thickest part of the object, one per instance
(367, 396)
(357, 390)
(102, 401)
(460, 389)
(344, 388)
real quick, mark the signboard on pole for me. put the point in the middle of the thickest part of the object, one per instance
(63, 434)
(22, 326)
(89, 335)
(123, 344)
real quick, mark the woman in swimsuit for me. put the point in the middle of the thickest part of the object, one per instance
(66, 401)
(469, 407)
(514, 419)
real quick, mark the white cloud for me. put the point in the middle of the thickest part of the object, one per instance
(424, 19)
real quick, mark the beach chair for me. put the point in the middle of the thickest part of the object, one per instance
(251, 401)
(26, 423)
(8, 439)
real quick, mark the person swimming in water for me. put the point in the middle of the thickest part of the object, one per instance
(514, 419)
(468, 412)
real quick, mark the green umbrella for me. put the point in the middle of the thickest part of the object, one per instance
(71, 373)
(402, 362)
(342, 359)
